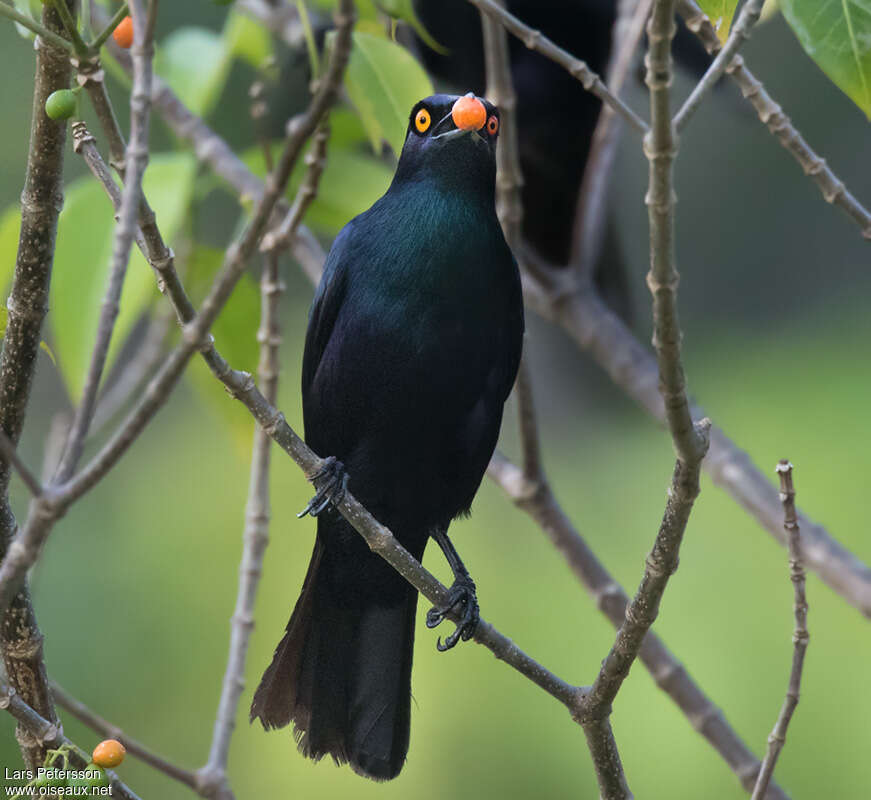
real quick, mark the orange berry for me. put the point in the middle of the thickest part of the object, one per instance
(123, 34)
(109, 753)
(469, 113)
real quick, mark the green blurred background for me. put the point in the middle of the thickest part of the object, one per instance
(136, 587)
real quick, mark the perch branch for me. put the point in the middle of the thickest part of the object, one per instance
(800, 637)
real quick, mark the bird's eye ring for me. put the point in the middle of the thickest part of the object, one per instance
(422, 121)
(493, 125)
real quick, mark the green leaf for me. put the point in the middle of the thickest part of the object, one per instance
(26, 7)
(720, 12)
(246, 40)
(83, 259)
(404, 10)
(836, 34)
(384, 81)
(194, 62)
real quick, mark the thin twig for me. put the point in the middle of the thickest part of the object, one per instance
(771, 114)
(136, 749)
(107, 31)
(589, 226)
(660, 147)
(125, 230)
(740, 32)
(7, 449)
(134, 372)
(315, 161)
(537, 500)
(690, 440)
(800, 636)
(41, 201)
(255, 536)
(578, 69)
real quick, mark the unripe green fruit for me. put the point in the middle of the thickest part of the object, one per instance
(61, 104)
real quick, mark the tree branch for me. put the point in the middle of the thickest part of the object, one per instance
(589, 225)
(41, 201)
(800, 637)
(771, 114)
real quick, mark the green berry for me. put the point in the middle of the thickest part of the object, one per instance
(61, 104)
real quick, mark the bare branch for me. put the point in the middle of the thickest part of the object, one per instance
(800, 637)
(740, 32)
(771, 114)
(136, 749)
(660, 147)
(8, 451)
(315, 160)
(50, 736)
(670, 675)
(125, 230)
(579, 70)
(589, 226)
(41, 201)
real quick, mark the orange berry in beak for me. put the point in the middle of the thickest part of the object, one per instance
(469, 113)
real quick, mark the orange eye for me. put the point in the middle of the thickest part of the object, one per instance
(493, 125)
(422, 120)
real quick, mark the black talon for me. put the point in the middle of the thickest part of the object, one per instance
(461, 599)
(334, 482)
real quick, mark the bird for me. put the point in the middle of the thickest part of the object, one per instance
(413, 345)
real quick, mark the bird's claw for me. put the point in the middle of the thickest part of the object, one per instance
(463, 600)
(331, 481)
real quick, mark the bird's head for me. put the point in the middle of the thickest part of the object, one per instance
(452, 139)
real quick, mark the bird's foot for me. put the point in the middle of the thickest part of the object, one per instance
(463, 601)
(331, 481)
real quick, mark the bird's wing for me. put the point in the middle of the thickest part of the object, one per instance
(328, 299)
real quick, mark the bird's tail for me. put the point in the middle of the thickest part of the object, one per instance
(342, 672)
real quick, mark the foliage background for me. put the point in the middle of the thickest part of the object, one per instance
(135, 591)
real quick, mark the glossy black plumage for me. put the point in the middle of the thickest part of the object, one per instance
(412, 348)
